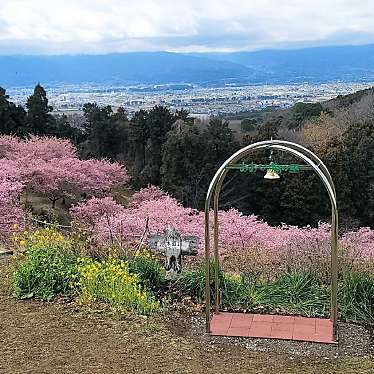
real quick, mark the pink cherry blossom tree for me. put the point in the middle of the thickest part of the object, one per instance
(150, 193)
(238, 234)
(86, 214)
(11, 187)
(50, 166)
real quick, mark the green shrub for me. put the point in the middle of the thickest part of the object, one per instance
(191, 282)
(250, 293)
(235, 292)
(151, 273)
(356, 296)
(298, 292)
(110, 281)
(45, 266)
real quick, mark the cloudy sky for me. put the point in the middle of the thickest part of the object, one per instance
(102, 26)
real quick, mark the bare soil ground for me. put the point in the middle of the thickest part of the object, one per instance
(60, 337)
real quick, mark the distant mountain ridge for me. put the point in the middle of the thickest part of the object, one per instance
(318, 64)
(313, 65)
(125, 68)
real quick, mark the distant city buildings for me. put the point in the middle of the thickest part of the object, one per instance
(197, 100)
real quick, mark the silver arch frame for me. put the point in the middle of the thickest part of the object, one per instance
(215, 187)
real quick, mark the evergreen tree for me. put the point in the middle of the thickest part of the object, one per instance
(138, 135)
(183, 164)
(107, 132)
(159, 123)
(39, 120)
(12, 117)
(120, 134)
(357, 151)
(303, 111)
(63, 129)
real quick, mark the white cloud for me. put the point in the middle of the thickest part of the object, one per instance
(101, 26)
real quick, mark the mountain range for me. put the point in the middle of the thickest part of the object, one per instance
(313, 65)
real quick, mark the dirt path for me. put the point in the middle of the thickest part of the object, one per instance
(40, 338)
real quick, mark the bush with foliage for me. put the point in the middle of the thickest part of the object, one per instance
(149, 270)
(110, 281)
(356, 296)
(298, 292)
(45, 264)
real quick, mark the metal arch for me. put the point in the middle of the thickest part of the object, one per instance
(216, 185)
(217, 190)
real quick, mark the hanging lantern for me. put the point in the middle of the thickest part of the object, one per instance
(270, 173)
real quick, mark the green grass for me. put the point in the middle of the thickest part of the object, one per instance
(356, 295)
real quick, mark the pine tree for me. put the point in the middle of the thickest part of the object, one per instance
(12, 117)
(183, 164)
(159, 123)
(39, 120)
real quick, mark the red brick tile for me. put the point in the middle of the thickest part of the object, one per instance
(226, 314)
(324, 332)
(284, 319)
(219, 328)
(260, 329)
(263, 318)
(269, 326)
(305, 321)
(322, 339)
(304, 329)
(299, 333)
(238, 331)
(223, 316)
(282, 326)
(241, 321)
(323, 322)
(246, 316)
(221, 332)
(221, 319)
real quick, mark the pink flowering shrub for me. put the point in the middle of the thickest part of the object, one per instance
(240, 236)
(11, 187)
(130, 224)
(44, 148)
(151, 193)
(360, 243)
(86, 214)
(9, 145)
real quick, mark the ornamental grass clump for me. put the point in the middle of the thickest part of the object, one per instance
(298, 292)
(44, 264)
(110, 281)
(356, 296)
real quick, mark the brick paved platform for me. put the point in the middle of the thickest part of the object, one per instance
(272, 327)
